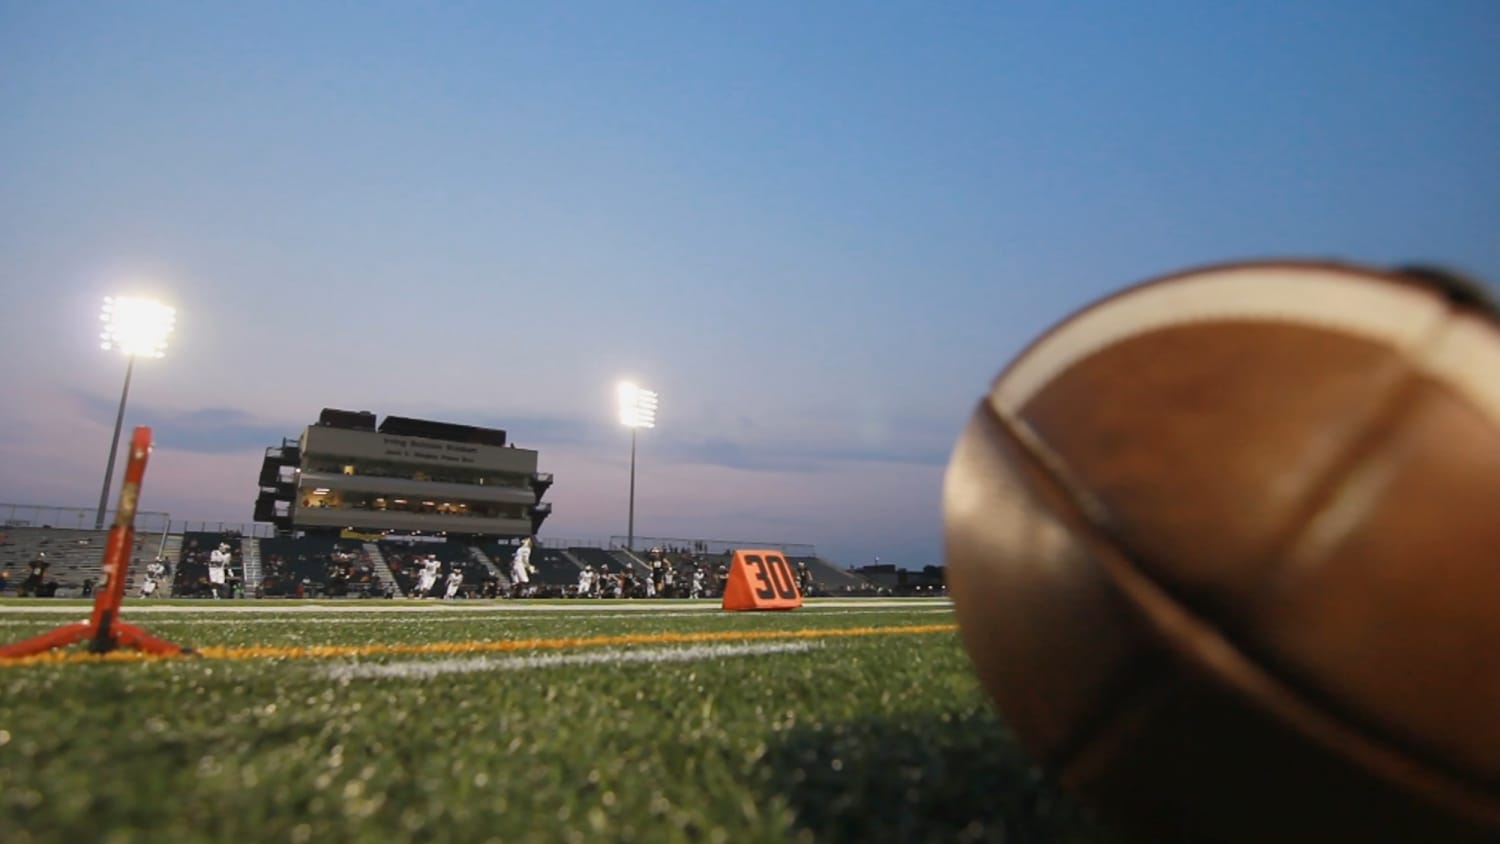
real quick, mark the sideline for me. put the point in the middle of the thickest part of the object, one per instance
(651, 656)
(412, 605)
(271, 652)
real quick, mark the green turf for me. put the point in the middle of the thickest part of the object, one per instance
(878, 738)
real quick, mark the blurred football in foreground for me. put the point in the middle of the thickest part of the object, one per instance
(1225, 551)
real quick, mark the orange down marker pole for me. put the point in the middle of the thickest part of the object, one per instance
(103, 629)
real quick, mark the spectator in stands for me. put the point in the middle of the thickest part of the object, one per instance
(33, 584)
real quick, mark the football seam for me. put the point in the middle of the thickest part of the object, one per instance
(1173, 622)
(1143, 676)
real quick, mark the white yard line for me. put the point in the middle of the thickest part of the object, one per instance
(435, 608)
(436, 667)
(464, 618)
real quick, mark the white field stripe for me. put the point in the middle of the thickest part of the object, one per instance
(471, 608)
(1462, 352)
(654, 656)
(387, 618)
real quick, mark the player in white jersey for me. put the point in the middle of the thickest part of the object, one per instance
(218, 569)
(585, 581)
(154, 572)
(520, 567)
(696, 590)
(427, 579)
(455, 580)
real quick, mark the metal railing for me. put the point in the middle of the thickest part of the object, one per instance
(560, 542)
(711, 546)
(150, 523)
(75, 518)
(255, 529)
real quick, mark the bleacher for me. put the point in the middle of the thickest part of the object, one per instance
(73, 557)
(400, 556)
(190, 570)
(553, 567)
(313, 566)
(596, 557)
(316, 567)
(829, 579)
(555, 574)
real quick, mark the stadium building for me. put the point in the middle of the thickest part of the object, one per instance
(348, 476)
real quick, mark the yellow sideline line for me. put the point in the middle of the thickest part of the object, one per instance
(491, 646)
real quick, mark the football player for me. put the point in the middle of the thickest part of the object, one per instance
(218, 570)
(520, 567)
(455, 580)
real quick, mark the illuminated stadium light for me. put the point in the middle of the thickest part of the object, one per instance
(637, 406)
(637, 411)
(135, 327)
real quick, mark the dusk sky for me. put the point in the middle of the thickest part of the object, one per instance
(817, 229)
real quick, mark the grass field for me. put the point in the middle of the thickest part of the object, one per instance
(515, 721)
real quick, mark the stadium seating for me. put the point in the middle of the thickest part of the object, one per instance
(73, 557)
(325, 566)
(190, 577)
(596, 557)
(478, 580)
(829, 579)
(554, 568)
(316, 567)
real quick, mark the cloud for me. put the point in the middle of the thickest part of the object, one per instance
(755, 448)
(537, 431)
(815, 454)
(209, 430)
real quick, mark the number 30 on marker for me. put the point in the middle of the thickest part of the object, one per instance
(760, 580)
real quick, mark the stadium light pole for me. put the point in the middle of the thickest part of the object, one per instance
(136, 328)
(637, 411)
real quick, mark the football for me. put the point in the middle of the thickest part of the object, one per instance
(1224, 549)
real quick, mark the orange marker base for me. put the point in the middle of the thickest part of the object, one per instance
(103, 629)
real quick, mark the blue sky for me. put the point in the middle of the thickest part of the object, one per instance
(818, 230)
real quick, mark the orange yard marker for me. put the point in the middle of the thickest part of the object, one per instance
(103, 628)
(760, 580)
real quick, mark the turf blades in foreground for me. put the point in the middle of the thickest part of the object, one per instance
(854, 738)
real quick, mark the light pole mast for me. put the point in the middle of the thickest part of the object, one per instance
(114, 446)
(637, 410)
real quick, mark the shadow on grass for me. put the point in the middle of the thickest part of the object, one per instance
(942, 778)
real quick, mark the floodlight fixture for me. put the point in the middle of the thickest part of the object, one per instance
(135, 327)
(637, 406)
